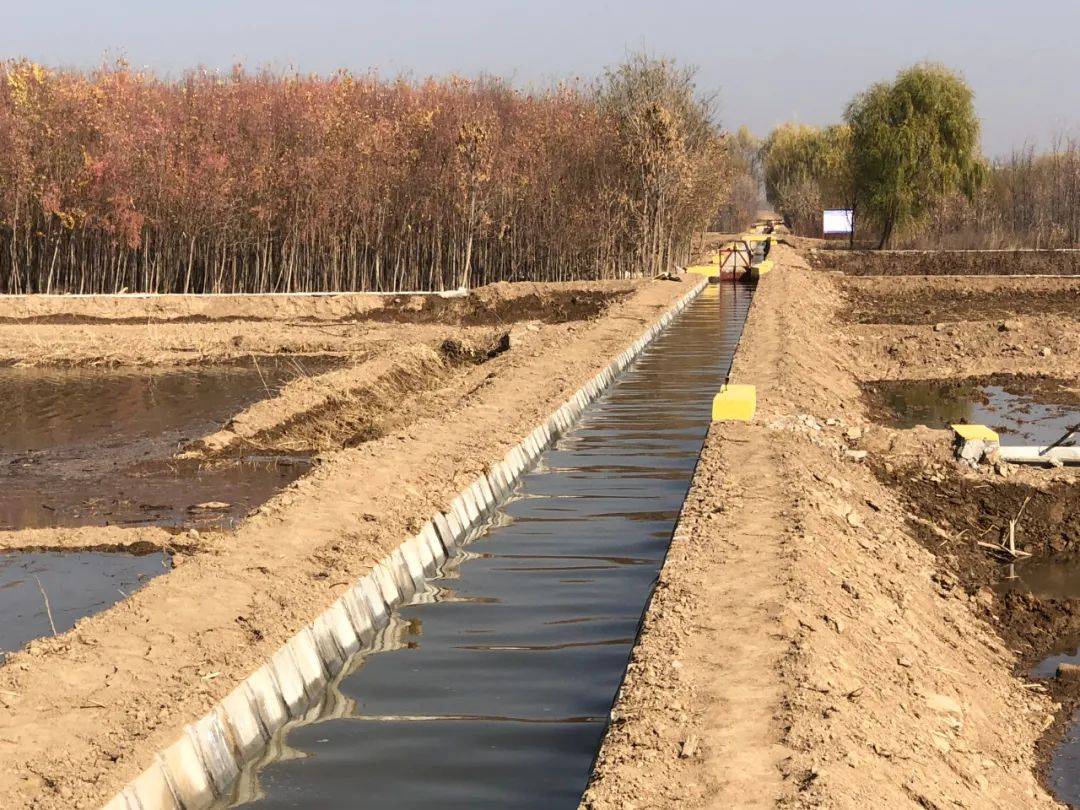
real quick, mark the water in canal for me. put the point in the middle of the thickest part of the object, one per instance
(493, 688)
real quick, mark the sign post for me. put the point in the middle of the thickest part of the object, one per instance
(837, 222)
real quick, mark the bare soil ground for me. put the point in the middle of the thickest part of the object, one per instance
(824, 632)
(83, 712)
(827, 609)
(901, 328)
(921, 300)
(178, 330)
(946, 262)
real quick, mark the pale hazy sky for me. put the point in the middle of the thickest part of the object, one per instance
(771, 61)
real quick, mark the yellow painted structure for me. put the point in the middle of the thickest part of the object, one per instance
(970, 433)
(710, 269)
(759, 270)
(734, 403)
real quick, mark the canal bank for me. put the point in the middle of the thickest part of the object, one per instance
(804, 647)
(85, 711)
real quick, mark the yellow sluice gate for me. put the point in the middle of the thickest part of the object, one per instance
(759, 270)
(734, 403)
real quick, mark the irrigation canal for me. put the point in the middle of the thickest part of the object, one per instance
(493, 687)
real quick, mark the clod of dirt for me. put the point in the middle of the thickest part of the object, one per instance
(1068, 672)
(462, 350)
(689, 747)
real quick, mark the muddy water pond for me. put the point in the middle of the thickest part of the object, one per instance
(1063, 772)
(1049, 577)
(85, 447)
(76, 585)
(1020, 412)
(1054, 578)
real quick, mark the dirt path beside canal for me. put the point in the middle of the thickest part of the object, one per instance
(824, 656)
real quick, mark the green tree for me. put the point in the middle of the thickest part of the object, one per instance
(805, 170)
(913, 143)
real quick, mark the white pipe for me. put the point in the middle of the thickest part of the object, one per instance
(1040, 455)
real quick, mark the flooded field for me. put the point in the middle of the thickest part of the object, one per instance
(1062, 771)
(91, 447)
(75, 584)
(1019, 416)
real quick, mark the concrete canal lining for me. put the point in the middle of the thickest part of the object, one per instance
(202, 767)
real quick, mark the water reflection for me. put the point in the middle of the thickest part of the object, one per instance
(93, 447)
(1019, 419)
(77, 584)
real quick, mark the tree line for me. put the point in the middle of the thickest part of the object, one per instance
(1030, 199)
(903, 148)
(906, 159)
(116, 179)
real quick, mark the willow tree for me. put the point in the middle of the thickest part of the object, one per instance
(805, 170)
(914, 142)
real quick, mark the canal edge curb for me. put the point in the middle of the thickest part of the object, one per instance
(202, 766)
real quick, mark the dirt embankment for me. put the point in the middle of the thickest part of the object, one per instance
(85, 711)
(141, 540)
(806, 647)
(948, 262)
(179, 330)
(495, 303)
(349, 406)
(954, 328)
(943, 300)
